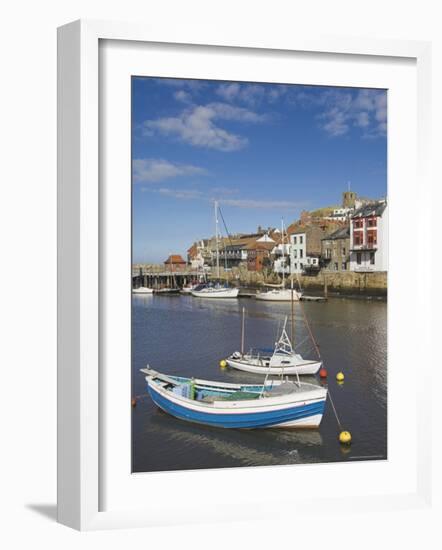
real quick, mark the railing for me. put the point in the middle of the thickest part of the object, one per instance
(362, 247)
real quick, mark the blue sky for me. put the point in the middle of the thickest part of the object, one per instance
(264, 151)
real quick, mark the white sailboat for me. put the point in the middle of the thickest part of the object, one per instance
(215, 290)
(142, 290)
(278, 293)
(281, 360)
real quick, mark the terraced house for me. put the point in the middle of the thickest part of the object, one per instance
(369, 238)
(336, 250)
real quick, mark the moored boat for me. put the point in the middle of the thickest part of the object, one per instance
(142, 290)
(273, 404)
(216, 290)
(167, 290)
(280, 360)
(278, 295)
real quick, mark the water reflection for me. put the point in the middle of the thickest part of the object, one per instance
(188, 336)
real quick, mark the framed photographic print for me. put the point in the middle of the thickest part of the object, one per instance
(231, 221)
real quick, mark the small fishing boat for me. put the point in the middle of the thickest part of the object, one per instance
(282, 359)
(142, 290)
(274, 404)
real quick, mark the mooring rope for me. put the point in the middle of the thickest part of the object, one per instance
(334, 410)
(310, 330)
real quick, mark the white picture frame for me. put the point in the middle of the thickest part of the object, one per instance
(79, 265)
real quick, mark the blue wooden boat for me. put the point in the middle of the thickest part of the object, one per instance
(273, 404)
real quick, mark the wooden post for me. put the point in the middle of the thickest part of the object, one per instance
(325, 286)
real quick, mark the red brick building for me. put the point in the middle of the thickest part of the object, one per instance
(175, 263)
(258, 255)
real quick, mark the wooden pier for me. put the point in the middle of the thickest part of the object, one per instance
(155, 278)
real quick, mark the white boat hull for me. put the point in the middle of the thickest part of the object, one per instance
(216, 293)
(279, 295)
(301, 368)
(142, 290)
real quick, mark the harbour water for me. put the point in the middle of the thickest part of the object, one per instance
(188, 336)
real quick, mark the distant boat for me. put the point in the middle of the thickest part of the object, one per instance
(142, 290)
(280, 360)
(215, 290)
(167, 290)
(274, 404)
(278, 293)
(188, 288)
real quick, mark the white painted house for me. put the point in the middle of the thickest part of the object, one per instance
(298, 252)
(369, 238)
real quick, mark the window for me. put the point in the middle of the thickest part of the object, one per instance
(301, 253)
(328, 253)
(372, 222)
(372, 237)
(301, 266)
(344, 266)
(301, 239)
(358, 239)
(372, 258)
(294, 239)
(295, 253)
(336, 266)
(359, 258)
(343, 251)
(296, 266)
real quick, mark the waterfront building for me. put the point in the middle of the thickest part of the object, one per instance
(369, 238)
(259, 255)
(335, 250)
(175, 263)
(305, 245)
(234, 253)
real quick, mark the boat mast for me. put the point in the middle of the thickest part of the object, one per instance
(242, 330)
(216, 239)
(283, 255)
(293, 314)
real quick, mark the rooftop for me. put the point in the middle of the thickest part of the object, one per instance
(373, 209)
(175, 259)
(341, 233)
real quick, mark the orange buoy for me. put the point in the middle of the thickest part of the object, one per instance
(134, 402)
(323, 373)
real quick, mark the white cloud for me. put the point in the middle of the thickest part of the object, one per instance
(183, 96)
(223, 195)
(269, 204)
(185, 194)
(251, 94)
(156, 170)
(367, 109)
(197, 125)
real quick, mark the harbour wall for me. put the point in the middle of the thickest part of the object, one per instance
(325, 282)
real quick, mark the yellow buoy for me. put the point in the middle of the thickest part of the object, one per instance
(345, 438)
(340, 377)
(223, 363)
